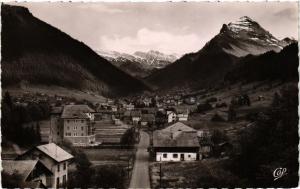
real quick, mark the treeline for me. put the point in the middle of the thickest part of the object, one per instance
(88, 176)
(15, 117)
(36, 52)
(269, 66)
(271, 143)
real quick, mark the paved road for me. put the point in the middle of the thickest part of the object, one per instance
(140, 176)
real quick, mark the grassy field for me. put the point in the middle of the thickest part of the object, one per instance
(54, 90)
(189, 174)
(108, 154)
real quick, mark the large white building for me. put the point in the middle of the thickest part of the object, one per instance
(75, 123)
(176, 143)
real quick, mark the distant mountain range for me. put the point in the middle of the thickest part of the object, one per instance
(36, 53)
(218, 57)
(139, 64)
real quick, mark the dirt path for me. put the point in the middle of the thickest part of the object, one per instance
(140, 176)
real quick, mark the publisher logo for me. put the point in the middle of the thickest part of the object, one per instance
(279, 172)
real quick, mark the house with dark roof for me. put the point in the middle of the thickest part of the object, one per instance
(136, 116)
(175, 145)
(55, 159)
(25, 173)
(147, 119)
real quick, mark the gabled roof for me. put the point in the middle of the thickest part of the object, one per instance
(148, 117)
(180, 139)
(76, 111)
(55, 152)
(178, 126)
(127, 113)
(136, 113)
(56, 110)
(22, 167)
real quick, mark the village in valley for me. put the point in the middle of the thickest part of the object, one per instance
(75, 114)
(197, 130)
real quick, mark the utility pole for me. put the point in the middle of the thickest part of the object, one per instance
(160, 173)
(128, 167)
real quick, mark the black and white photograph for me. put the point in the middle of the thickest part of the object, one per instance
(144, 95)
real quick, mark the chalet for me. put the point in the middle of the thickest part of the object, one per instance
(128, 106)
(182, 115)
(114, 108)
(126, 117)
(172, 116)
(78, 125)
(55, 159)
(136, 116)
(204, 137)
(30, 173)
(101, 114)
(147, 119)
(146, 102)
(175, 146)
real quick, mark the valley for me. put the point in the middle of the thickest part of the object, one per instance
(224, 115)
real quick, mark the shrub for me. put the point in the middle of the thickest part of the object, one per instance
(204, 107)
(217, 118)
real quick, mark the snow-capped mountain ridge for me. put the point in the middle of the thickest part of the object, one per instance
(246, 36)
(151, 59)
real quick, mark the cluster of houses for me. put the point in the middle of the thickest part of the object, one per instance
(44, 166)
(106, 123)
(179, 142)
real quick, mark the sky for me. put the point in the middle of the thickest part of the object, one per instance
(168, 27)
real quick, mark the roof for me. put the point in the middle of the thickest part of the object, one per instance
(56, 110)
(55, 152)
(180, 139)
(178, 127)
(136, 113)
(76, 111)
(21, 167)
(148, 117)
(127, 113)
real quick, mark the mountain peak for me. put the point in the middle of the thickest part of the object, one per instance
(244, 24)
(245, 36)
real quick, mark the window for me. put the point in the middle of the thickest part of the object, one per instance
(64, 181)
(82, 128)
(57, 133)
(165, 155)
(175, 155)
(68, 121)
(58, 168)
(81, 134)
(57, 182)
(65, 165)
(68, 128)
(75, 127)
(82, 121)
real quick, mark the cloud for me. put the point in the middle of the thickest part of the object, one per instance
(99, 8)
(288, 13)
(147, 39)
